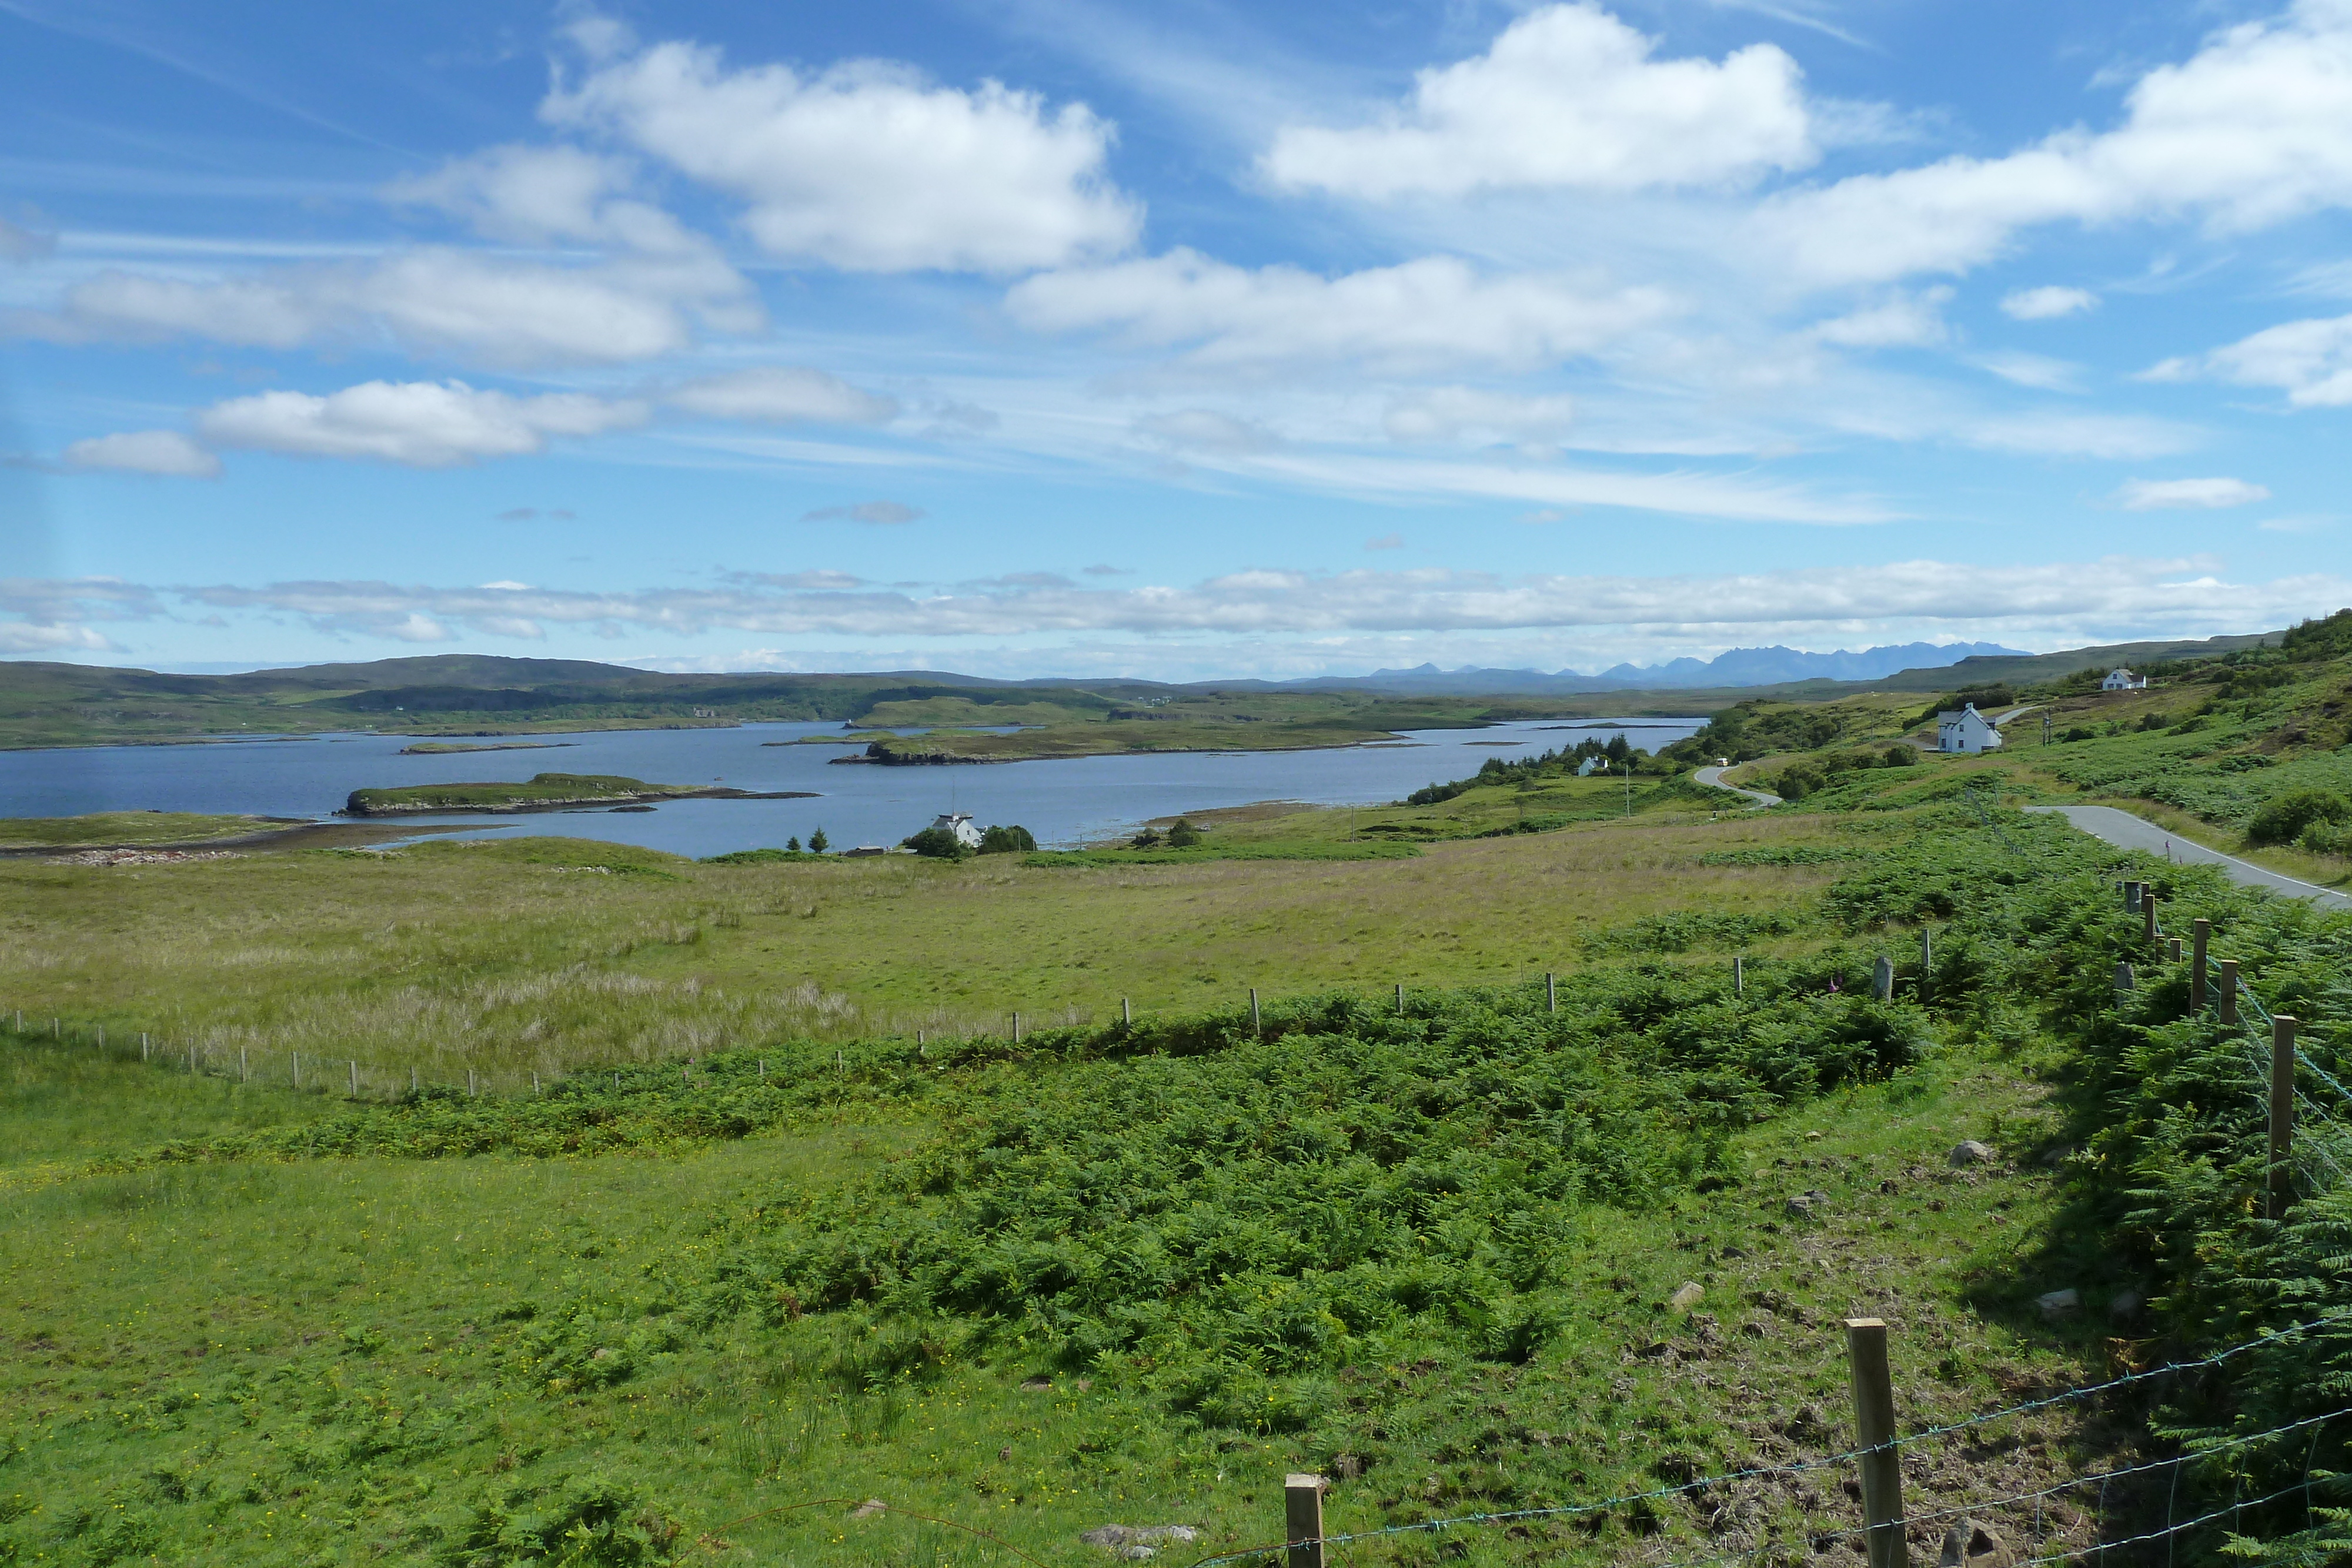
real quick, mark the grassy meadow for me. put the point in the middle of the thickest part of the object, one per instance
(766, 1240)
(1108, 1275)
(536, 954)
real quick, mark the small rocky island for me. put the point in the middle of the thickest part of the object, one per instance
(544, 792)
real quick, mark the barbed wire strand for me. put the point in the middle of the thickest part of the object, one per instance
(2103, 1477)
(2169, 1530)
(1684, 1489)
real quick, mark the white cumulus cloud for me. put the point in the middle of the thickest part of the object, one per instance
(2207, 495)
(782, 394)
(160, 451)
(2047, 303)
(1432, 312)
(421, 424)
(1569, 97)
(2311, 362)
(2253, 129)
(866, 166)
(536, 195)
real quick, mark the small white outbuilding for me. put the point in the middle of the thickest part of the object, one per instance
(959, 824)
(2122, 680)
(1967, 730)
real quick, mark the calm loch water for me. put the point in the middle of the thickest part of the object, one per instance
(1063, 802)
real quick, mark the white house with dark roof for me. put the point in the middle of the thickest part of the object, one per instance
(2122, 680)
(959, 824)
(1967, 730)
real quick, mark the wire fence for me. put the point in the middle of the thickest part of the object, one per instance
(1977, 1510)
(2322, 1152)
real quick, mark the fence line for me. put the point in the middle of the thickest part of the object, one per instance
(362, 1078)
(1795, 1467)
(1981, 1506)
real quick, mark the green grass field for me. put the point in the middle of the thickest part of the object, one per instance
(128, 829)
(755, 1271)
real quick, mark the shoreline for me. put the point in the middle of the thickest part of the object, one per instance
(297, 833)
(586, 803)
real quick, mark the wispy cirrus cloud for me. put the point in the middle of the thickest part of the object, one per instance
(2189, 591)
(2197, 495)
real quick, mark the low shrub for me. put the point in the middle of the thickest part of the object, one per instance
(936, 843)
(1223, 1219)
(2284, 818)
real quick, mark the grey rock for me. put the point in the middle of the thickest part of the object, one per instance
(1136, 1543)
(2057, 1306)
(1806, 1204)
(2126, 1305)
(1969, 1152)
(1969, 1544)
(1689, 1294)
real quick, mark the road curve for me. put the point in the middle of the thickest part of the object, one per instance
(2127, 832)
(1713, 779)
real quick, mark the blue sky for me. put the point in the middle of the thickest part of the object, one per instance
(1181, 341)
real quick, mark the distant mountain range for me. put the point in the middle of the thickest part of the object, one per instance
(1739, 667)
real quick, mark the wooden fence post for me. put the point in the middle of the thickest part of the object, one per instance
(1551, 993)
(1400, 1001)
(242, 1076)
(2226, 1003)
(2172, 949)
(1927, 959)
(355, 1079)
(1256, 1028)
(1016, 1029)
(472, 1092)
(413, 1087)
(1126, 1012)
(1302, 1519)
(2282, 1192)
(2148, 912)
(1873, 1421)
(142, 1045)
(1882, 979)
(2201, 933)
(1739, 976)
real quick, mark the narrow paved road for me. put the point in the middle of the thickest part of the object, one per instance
(2127, 832)
(1713, 777)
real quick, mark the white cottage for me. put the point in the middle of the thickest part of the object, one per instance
(2122, 680)
(1967, 730)
(960, 825)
